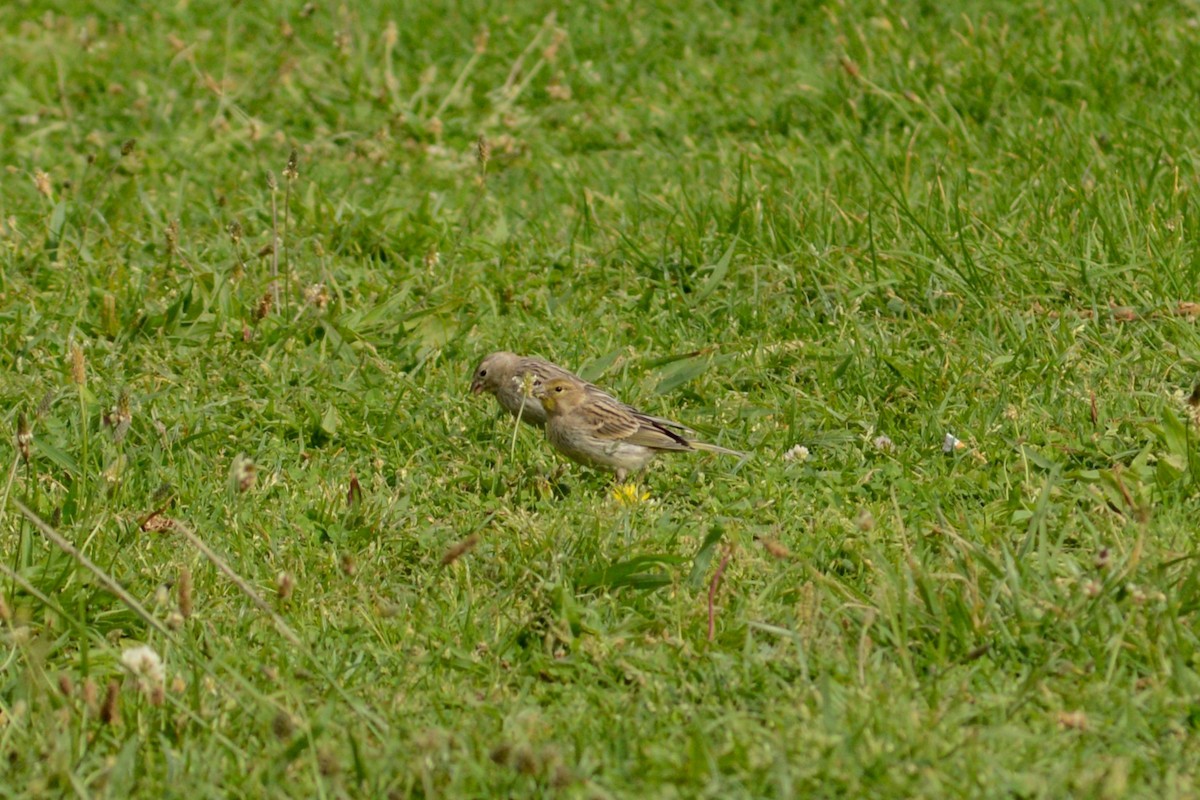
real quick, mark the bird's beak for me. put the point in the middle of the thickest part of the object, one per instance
(476, 387)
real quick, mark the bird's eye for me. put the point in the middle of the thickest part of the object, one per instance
(483, 373)
(558, 389)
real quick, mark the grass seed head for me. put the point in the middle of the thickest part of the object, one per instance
(242, 474)
(264, 307)
(145, 668)
(119, 417)
(41, 180)
(291, 171)
(283, 725)
(285, 584)
(78, 365)
(112, 700)
(774, 547)
(317, 296)
(109, 322)
(483, 152)
(24, 436)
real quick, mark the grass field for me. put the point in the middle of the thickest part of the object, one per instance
(851, 228)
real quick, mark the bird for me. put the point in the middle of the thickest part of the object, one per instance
(504, 375)
(598, 431)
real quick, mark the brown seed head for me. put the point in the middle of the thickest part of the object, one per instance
(24, 436)
(774, 547)
(264, 307)
(112, 700)
(317, 296)
(290, 172)
(285, 584)
(283, 725)
(242, 474)
(185, 592)
(42, 181)
(44, 406)
(483, 152)
(78, 365)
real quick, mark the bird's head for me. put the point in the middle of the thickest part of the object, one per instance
(559, 395)
(491, 373)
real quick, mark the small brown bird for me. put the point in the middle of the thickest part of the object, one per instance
(504, 375)
(600, 432)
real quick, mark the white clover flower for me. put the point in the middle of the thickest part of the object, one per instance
(884, 442)
(145, 667)
(797, 453)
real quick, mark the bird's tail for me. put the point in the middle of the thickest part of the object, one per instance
(713, 448)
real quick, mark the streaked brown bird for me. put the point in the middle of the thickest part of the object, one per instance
(505, 375)
(598, 431)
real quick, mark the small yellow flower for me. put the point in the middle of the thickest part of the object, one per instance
(628, 494)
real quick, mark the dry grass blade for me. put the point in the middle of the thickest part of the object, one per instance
(373, 719)
(712, 593)
(239, 582)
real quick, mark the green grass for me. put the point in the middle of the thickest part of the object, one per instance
(810, 225)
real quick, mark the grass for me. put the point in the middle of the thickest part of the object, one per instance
(815, 225)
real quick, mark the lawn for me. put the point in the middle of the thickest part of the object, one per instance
(935, 268)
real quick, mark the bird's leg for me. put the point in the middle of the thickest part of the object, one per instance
(621, 474)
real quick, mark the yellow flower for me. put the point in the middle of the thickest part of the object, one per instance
(628, 494)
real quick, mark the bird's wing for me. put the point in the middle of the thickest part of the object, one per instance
(670, 424)
(651, 433)
(544, 371)
(616, 421)
(606, 419)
